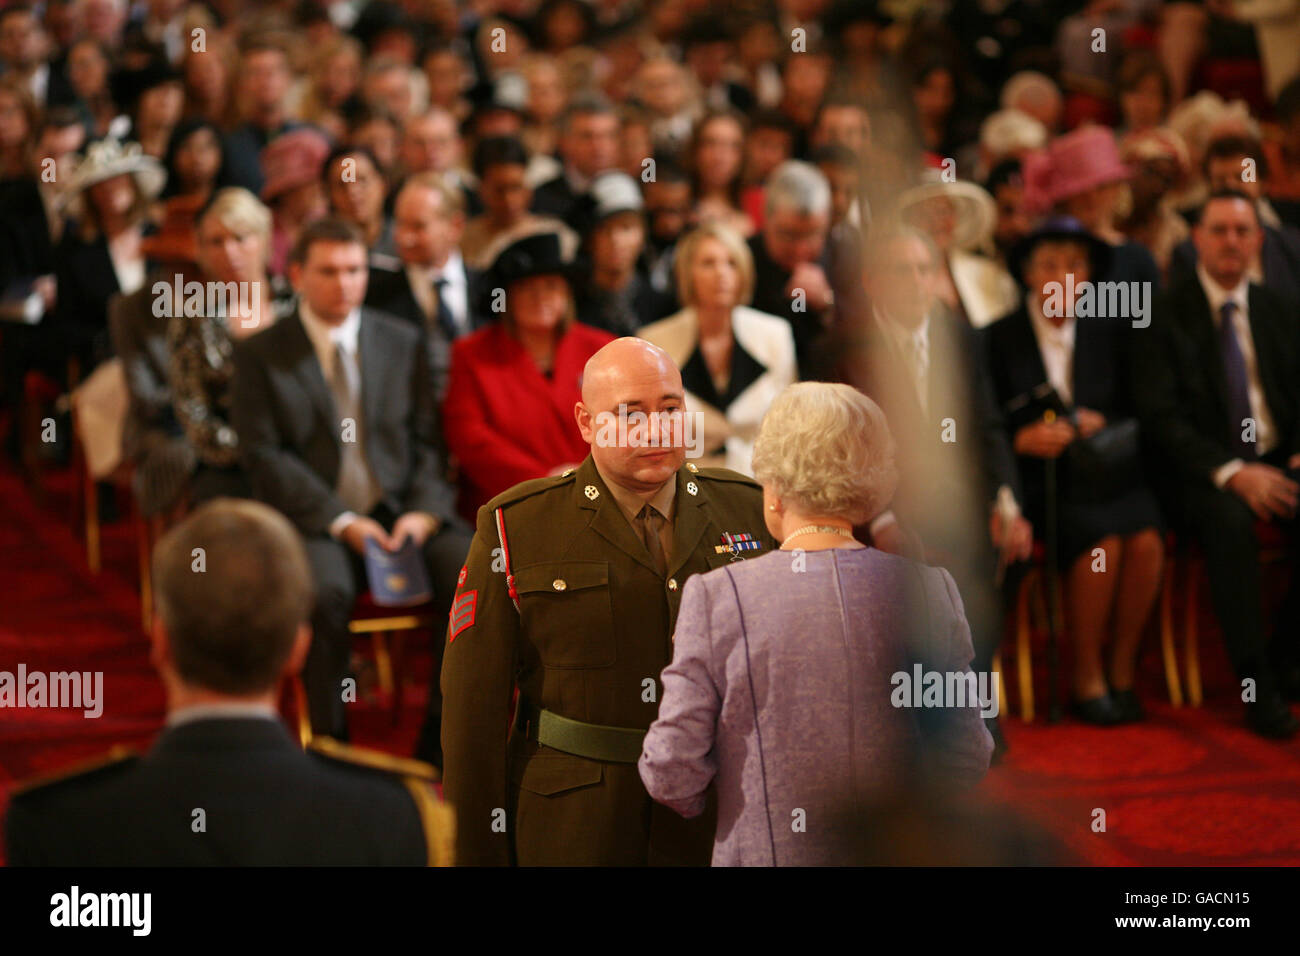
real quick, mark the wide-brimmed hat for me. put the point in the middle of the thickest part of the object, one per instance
(293, 159)
(1059, 228)
(974, 211)
(106, 158)
(1156, 143)
(1072, 164)
(536, 254)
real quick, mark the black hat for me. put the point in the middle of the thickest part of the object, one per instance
(1058, 228)
(537, 254)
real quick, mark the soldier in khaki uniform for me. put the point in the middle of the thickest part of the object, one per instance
(570, 595)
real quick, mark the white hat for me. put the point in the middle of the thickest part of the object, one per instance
(613, 192)
(974, 210)
(107, 158)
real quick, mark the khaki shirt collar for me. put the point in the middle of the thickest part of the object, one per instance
(631, 503)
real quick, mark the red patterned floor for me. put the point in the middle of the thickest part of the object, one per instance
(1187, 787)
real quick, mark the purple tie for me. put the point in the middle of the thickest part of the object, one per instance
(1234, 370)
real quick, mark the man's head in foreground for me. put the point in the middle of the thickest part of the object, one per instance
(234, 592)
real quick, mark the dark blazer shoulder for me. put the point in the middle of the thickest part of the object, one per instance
(75, 778)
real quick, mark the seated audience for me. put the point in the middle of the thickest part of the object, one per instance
(508, 415)
(734, 359)
(791, 255)
(501, 166)
(334, 410)
(433, 290)
(356, 190)
(100, 253)
(234, 241)
(1220, 412)
(615, 294)
(1236, 164)
(1099, 493)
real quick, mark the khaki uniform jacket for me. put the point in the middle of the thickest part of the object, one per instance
(592, 633)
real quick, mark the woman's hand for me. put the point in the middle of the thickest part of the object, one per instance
(1090, 422)
(1044, 439)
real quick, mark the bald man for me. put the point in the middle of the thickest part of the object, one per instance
(569, 596)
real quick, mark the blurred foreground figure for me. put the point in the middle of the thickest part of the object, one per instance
(225, 784)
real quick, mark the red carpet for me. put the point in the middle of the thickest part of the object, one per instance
(1187, 787)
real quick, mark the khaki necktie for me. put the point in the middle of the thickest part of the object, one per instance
(650, 522)
(356, 488)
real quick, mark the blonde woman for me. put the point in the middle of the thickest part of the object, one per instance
(783, 685)
(734, 359)
(234, 246)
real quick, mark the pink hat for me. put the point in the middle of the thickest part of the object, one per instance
(1083, 159)
(292, 160)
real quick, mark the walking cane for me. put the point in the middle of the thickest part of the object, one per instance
(1053, 646)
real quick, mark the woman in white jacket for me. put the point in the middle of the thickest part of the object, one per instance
(734, 359)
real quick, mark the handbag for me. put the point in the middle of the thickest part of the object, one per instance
(1107, 463)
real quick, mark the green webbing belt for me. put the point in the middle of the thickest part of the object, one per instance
(593, 741)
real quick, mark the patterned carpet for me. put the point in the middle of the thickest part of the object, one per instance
(1186, 787)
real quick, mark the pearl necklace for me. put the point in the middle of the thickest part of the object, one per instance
(819, 528)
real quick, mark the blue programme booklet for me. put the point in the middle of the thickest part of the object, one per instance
(397, 578)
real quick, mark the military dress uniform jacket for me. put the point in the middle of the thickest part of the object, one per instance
(587, 643)
(265, 803)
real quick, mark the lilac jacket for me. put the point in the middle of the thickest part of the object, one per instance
(798, 728)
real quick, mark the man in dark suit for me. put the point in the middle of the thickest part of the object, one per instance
(959, 485)
(1219, 404)
(225, 784)
(588, 145)
(23, 56)
(434, 290)
(1236, 163)
(334, 408)
(791, 256)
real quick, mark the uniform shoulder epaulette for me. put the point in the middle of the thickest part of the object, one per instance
(331, 749)
(118, 758)
(723, 474)
(437, 820)
(526, 489)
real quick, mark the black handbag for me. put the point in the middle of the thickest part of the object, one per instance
(1106, 464)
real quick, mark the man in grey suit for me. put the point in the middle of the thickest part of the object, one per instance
(338, 430)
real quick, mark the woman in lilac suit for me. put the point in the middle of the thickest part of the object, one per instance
(791, 684)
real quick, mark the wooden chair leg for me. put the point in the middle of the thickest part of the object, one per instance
(1191, 635)
(383, 663)
(1167, 649)
(1024, 656)
(144, 545)
(90, 498)
(396, 655)
(999, 685)
(304, 713)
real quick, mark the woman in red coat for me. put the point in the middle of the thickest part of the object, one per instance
(508, 414)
